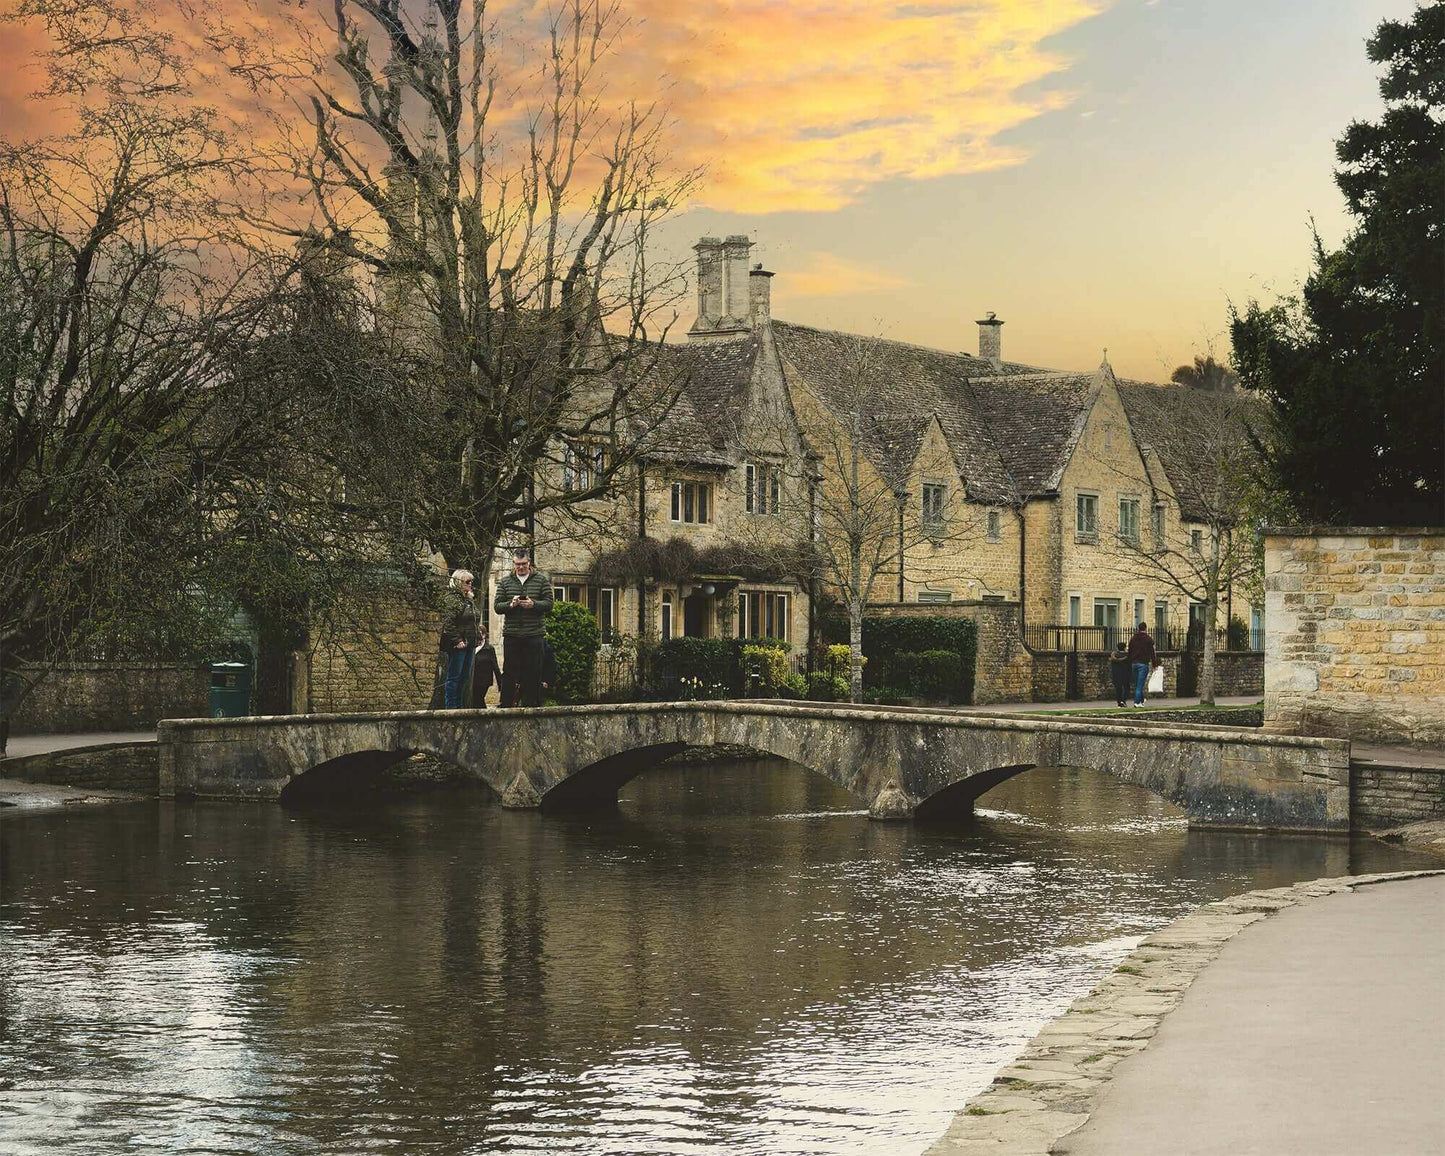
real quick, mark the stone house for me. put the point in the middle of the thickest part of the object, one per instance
(1008, 482)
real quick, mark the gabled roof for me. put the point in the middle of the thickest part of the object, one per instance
(1036, 421)
(716, 377)
(904, 388)
(1195, 433)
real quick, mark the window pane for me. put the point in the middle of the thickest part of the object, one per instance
(677, 501)
(774, 491)
(749, 481)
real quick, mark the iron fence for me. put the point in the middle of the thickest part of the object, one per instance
(1102, 639)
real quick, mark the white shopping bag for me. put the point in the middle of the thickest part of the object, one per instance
(1156, 681)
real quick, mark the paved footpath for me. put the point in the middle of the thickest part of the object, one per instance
(1318, 1030)
(21, 745)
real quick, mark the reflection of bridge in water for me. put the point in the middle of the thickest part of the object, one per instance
(900, 763)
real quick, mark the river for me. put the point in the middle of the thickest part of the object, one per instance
(735, 960)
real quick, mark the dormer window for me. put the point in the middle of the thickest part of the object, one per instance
(935, 499)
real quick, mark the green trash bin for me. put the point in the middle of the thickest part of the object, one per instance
(230, 689)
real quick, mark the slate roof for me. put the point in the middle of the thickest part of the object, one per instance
(1194, 432)
(1012, 428)
(910, 385)
(716, 377)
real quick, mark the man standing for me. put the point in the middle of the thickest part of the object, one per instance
(1144, 659)
(523, 599)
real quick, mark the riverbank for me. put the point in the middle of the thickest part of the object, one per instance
(1286, 1034)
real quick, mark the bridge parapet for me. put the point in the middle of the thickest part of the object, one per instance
(899, 762)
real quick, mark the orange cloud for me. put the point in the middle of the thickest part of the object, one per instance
(829, 275)
(804, 105)
(799, 105)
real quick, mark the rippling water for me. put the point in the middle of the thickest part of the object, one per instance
(735, 960)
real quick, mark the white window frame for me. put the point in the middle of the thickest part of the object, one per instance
(1132, 502)
(934, 505)
(762, 488)
(935, 596)
(1158, 524)
(1089, 533)
(664, 624)
(1076, 608)
(686, 505)
(773, 606)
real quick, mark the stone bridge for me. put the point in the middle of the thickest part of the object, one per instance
(900, 763)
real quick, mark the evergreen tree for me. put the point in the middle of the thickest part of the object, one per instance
(1355, 368)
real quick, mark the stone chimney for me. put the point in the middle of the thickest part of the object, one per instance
(760, 295)
(724, 299)
(990, 340)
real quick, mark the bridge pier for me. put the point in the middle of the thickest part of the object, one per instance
(892, 803)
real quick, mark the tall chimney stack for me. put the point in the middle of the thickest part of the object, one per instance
(760, 295)
(724, 292)
(990, 340)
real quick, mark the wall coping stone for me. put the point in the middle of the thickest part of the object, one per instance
(172, 729)
(1350, 531)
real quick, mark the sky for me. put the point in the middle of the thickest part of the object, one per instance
(1102, 174)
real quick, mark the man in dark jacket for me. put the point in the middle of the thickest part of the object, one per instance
(458, 636)
(1144, 658)
(523, 599)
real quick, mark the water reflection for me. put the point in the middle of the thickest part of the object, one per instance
(736, 958)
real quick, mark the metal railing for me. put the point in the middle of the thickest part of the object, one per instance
(1102, 639)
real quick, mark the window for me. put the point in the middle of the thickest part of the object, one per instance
(1256, 629)
(934, 497)
(584, 464)
(762, 489)
(1196, 540)
(1161, 625)
(762, 614)
(666, 623)
(1138, 613)
(1158, 525)
(1076, 610)
(601, 600)
(1129, 519)
(935, 596)
(994, 532)
(1086, 517)
(692, 502)
(1106, 614)
(995, 598)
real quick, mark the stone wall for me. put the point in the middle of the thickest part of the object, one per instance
(1050, 676)
(1355, 633)
(1389, 796)
(114, 696)
(113, 767)
(394, 670)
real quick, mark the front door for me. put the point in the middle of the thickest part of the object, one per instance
(695, 616)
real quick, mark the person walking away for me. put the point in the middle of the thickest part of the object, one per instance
(458, 636)
(523, 599)
(485, 671)
(1120, 671)
(1144, 658)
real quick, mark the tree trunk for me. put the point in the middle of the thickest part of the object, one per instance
(855, 651)
(1211, 617)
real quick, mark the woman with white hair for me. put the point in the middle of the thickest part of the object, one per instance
(458, 636)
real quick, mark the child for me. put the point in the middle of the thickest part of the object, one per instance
(1119, 670)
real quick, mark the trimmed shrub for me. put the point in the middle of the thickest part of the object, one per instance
(575, 638)
(886, 696)
(703, 662)
(824, 687)
(794, 686)
(765, 669)
(889, 640)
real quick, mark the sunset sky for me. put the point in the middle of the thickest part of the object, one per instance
(1100, 173)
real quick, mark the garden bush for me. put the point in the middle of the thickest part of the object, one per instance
(764, 668)
(794, 686)
(825, 687)
(575, 638)
(888, 639)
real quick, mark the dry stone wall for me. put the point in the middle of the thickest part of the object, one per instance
(114, 696)
(1355, 633)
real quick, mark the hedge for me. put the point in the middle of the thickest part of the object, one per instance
(895, 646)
(714, 667)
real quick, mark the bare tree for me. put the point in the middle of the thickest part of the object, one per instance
(121, 308)
(1197, 449)
(505, 214)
